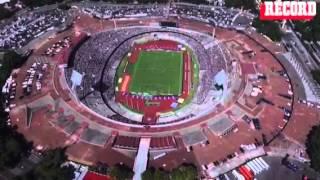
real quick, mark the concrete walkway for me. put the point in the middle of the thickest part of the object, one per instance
(140, 163)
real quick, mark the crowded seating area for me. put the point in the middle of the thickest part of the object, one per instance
(126, 142)
(216, 15)
(156, 143)
(122, 11)
(110, 47)
(99, 12)
(23, 29)
(167, 142)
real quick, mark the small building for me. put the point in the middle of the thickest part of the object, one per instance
(222, 126)
(194, 138)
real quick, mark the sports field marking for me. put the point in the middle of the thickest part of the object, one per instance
(157, 73)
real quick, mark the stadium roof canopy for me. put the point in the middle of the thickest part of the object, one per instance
(95, 137)
(221, 77)
(194, 137)
(220, 126)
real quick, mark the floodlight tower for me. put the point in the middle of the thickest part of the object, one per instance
(283, 24)
(100, 22)
(214, 32)
(114, 23)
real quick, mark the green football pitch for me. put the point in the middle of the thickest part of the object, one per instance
(157, 73)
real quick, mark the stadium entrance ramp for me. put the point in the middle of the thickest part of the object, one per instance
(140, 163)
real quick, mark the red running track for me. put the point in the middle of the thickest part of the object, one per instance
(186, 75)
(150, 106)
(95, 176)
(159, 44)
(134, 55)
(152, 45)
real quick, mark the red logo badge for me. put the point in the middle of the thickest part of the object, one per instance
(288, 10)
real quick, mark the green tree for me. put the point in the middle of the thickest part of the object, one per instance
(120, 172)
(9, 60)
(64, 6)
(310, 29)
(313, 147)
(268, 28)
(245, 4)
(316, 75)
(184, 172)
(37, 3)
(5, 13)
(100, 167)
(50, 168)
(13, 147)
(155, 174)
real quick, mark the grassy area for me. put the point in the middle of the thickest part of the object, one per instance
(309, 29)
(195, 82)
(157, 73)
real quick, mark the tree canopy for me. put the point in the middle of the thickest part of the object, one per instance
(100, 167)
(245, 4)
(13, 145)
(155, 174)
(310, 29)
(313, 147)
(268, 28)
(9, 60)
(316, 75)
(51, 167)
(120, 172)
(184, 172)
(5, 13)
(37, 3)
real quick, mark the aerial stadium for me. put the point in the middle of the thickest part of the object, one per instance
(154, 86)
(153, 77)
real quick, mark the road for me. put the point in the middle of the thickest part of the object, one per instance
(301, 49)
(280, 172)
(305, 61)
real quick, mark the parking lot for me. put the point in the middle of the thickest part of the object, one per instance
(280, 172)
